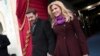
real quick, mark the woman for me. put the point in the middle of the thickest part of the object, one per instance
(70, 38)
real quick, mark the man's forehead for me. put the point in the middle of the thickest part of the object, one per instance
(30, 14)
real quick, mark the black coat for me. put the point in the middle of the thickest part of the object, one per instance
(4, 42)
(43, 38)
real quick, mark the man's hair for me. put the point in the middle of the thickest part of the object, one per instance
(31, 10)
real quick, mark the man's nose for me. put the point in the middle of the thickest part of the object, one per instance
(30, 19)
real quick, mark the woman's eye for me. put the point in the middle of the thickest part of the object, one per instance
(55, 8)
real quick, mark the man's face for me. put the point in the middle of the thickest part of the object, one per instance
(31, 17)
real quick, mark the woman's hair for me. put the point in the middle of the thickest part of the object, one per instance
(65, 11)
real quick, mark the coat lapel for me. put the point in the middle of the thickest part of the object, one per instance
(35, 26)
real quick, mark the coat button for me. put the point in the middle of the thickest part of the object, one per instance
(64, 37)
(64, 25)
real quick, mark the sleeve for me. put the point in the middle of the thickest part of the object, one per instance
(5, 41)
(50, 36)
(81, 37)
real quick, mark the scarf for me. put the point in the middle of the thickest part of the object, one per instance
(59, 20)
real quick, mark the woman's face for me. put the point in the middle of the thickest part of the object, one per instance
(56, 10)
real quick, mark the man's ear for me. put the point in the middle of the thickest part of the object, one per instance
(36, 15)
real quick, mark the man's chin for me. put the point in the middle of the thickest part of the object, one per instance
(33, 21)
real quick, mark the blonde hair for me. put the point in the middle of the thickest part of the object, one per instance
(65, 11)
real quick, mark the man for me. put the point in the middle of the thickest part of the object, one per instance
(43, 38)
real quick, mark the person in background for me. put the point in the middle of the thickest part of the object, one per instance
(43, 38)
(4, 42)
(71, 40)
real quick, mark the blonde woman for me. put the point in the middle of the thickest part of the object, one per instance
(70, 38)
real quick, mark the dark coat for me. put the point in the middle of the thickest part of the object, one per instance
(4, 42)
(70, 39)
(43, 38)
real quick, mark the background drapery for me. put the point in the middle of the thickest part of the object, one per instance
(25, 37)
(41, 7)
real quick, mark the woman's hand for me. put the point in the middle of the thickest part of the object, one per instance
(49, 54)
(86, 55)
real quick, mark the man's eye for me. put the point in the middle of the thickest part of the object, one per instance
(31, 17)
(55, 8)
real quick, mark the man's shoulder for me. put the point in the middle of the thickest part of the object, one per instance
(3, 36)
(43, 21)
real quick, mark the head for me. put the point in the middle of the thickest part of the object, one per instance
(57, 8)
(1, 28)
(31, 14)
